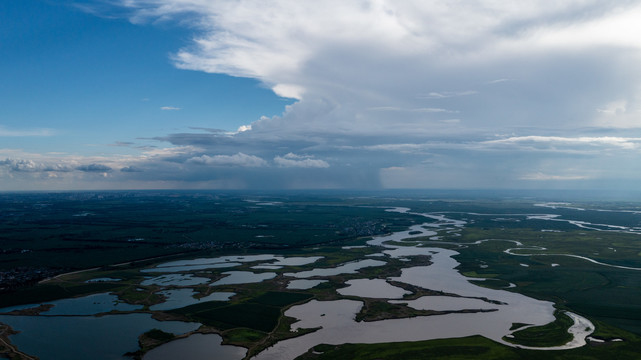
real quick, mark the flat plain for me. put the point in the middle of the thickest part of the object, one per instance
(582, 256)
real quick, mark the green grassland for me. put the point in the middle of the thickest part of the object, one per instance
(260, 313)
(469, 348)
(575, 284)
(552, 334)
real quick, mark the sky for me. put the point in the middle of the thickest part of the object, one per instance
(324, 94)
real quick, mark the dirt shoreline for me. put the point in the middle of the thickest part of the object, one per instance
(7, 348)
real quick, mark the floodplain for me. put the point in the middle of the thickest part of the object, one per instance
(329, 276)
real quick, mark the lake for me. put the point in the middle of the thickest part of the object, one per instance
(86, 337)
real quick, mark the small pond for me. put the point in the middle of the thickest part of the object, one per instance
(178, 298)
(186, 268)
(176, 279)
(372, 288)
(348, 268)
(304, 284)
(243, 277)
(275, 262)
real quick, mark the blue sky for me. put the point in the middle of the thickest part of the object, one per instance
(94, 80)
(147, 94)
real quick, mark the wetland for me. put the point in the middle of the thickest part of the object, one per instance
(322, 276)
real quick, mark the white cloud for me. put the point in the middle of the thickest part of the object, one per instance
(289, 91)
(355, 56)
(614, 107)
(498, 81)
(21, 165)
(619, 28)
(293, 160)
(387, 75)
(171, 151)
(39, 164)
(552, 141)
(170, 108)
(620, 114)
(244, 128)
(5, 132)
(239, 159)
(94, 168)
(419, 110)
(446, 94)
(400, 148)
(538, 176)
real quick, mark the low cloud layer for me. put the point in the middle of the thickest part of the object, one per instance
(293, 160)
(238, 159)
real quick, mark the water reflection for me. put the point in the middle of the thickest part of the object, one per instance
(178, 298)
(80, 338)
(446, 303)
(232, 261)
(176, 279)
(304, 284)
(243, 277)
(197, 347)
(336, 318)
(86, 305)
(372, 288)
(187, 268)
(89, 305)
(294, 261)
(349, 268)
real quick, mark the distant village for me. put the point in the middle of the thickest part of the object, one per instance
(22, 276)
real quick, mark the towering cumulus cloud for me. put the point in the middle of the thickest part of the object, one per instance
(409, 93)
